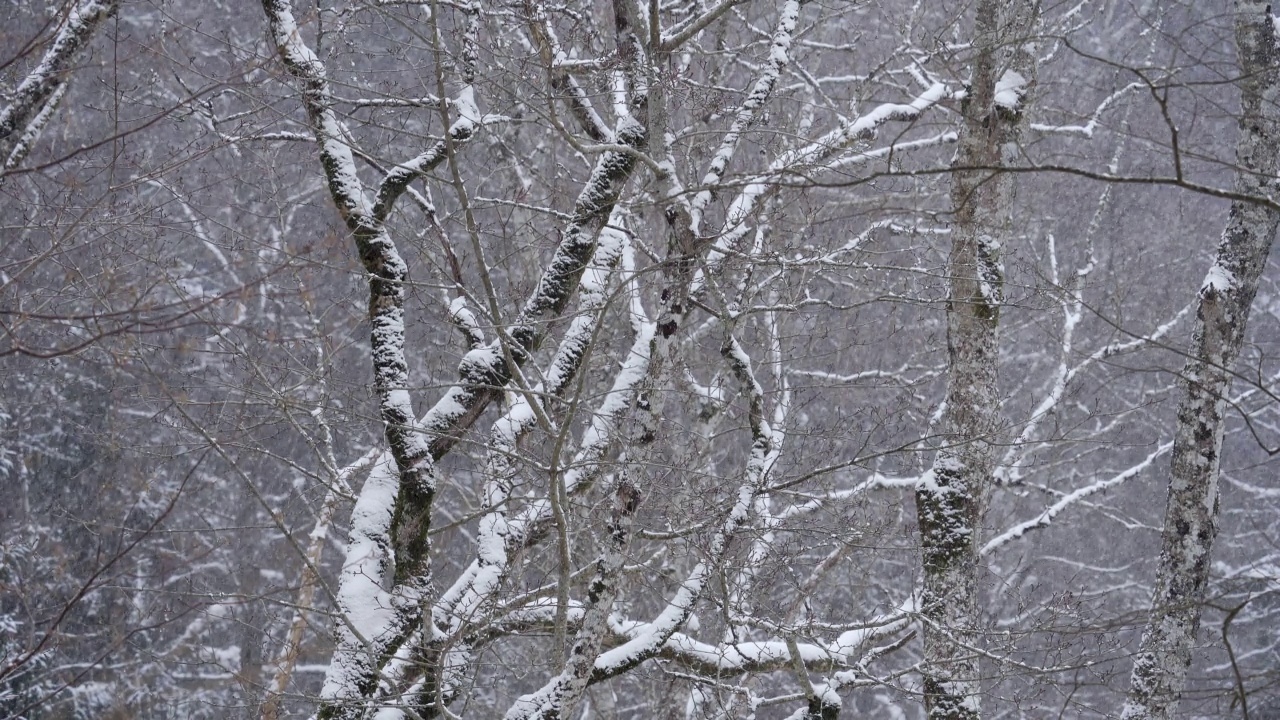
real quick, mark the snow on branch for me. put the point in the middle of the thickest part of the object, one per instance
(684, 32)
(397, 180)
(814, 153)
(559, 697)
(1087, 130)
(647, 640)
(306, 66)
(278, 136)
(483, 370)
(36, 97)
(389, 527)
(1010, 89)
(1011, 467)
(876, 481)
(893, 150)
(760, 91)
(466, 321)
(594, 205)
(587, 465)
(1046, 517)
(849, 649)
(21, 145)
(387, 274)
(456, 608)
(592, 300)
(739, 601)
(897, 377)
(491, 551)
(560, 66)
(370, 619)
(426, 101)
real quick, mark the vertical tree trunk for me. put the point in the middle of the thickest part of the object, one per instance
(1191, 510)
(949, 502)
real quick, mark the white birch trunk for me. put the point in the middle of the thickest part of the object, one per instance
(1191, 511)
(949, 499)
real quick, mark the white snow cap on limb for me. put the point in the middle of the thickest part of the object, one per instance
(1010, 89)
(1218, 279)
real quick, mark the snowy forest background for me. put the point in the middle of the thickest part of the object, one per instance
(773, 359)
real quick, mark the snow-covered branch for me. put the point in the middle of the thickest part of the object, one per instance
(1087, 130)
(806, 157)
(760, 91)
(1046, 517)
(37, 96)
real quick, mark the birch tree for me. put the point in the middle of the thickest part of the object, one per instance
(388, 560)
(1224, 303)
(949, 500)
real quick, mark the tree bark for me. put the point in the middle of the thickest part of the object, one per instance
(949, 500)
(1191, 510)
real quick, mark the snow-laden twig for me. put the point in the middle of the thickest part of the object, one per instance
(277, 136)
(456, 610)
(849, 649)
(685, 31)
(760, 91)
(889, 151)
(1087, 130)
(559, 68)
(647, 641)
(559, 697)
(814, 153)
(21, 146)
(1046, 517)
(875, 481)
(1011, 467)
(1072, 312)
(491, 555)
(468, 121)
(484, 369)
(739, 604)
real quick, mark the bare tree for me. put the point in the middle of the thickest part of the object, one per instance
(700, 358)
(1225, 300)
(949, 500)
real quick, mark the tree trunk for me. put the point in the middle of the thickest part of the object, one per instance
(949, 501)
(1191, 510)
